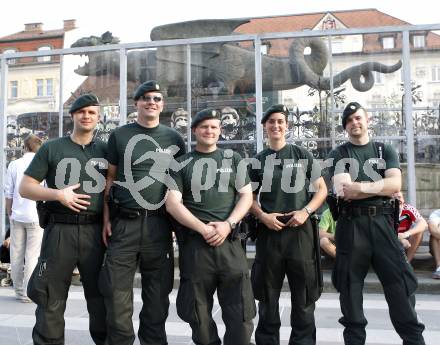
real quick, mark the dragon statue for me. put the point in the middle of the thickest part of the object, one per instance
(224, 67)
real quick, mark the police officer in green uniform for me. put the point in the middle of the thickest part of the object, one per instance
(136, 230)
(365, 175)
(74, 168)
(209, 195)
(285, 243)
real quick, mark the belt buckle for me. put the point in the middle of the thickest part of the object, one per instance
(133, 214)
(372, 211)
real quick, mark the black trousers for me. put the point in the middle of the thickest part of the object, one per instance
(65, 246)
(205, 269)
(363, 241)
(145, 242)
(286, 252)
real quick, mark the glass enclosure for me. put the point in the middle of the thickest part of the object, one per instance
(393, 74)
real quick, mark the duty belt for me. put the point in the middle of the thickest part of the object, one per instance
(132, 213)
(371, 211)
(75, 218)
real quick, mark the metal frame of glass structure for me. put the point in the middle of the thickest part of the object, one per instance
(257, 40)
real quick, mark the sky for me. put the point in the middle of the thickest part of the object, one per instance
(132, 20)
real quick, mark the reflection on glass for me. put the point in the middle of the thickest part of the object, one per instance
(245, 150)
(427, 150)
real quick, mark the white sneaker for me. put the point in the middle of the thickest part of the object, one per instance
(26, 299)
(436, 273)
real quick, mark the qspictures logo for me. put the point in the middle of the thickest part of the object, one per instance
(295, 174)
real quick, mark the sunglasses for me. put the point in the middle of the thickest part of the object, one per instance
(156, 99)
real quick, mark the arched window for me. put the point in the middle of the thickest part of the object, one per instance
(44, 58)
(10, 51)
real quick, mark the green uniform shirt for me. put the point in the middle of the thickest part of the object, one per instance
(209, 183)
(327, 223)
(369, 171)
(62, 163)
(147, 157)
(284, 185)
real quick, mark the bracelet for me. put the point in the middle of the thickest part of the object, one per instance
(308, 210)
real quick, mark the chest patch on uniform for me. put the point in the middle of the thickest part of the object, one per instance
(375, 161)
(293, 165)
(99, 164)
(224, 170)
(168, 151)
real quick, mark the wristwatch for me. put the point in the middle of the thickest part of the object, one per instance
(308, 210)
(231, 224)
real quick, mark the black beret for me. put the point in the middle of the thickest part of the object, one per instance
(350, 109)
(203, 115)
(276, 108)
(148, 86)
(82, 101)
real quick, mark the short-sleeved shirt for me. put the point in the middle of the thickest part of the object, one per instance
(23, 210)
(434, 217)
(327, 223)
(409, 216)
(369, 165)
(62, 162)
(284, 178)
(143, 153)
(210, 183)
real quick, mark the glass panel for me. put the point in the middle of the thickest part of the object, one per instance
(425, 76)
(425, 93)
(30, 109)
(363, 73)
(223, 78)
(166, 65)
(426, 121)
(427, 149)
(319, 148)
(97, 73)
(246, 150)
(385, 123)
(293, 74)
(427, 155)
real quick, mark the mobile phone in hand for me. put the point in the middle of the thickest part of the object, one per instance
(284, 219)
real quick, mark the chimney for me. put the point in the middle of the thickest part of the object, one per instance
(33, 27)
(69, 24)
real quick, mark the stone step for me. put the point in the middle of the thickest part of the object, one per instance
(427, 285)
(423, 260)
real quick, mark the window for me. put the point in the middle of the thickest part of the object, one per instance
(435, 103)
(40, 88)
(49, 87)
(378, 77)
(388, 42)
(420, 72)
(380, 106)
(45, 87)
(336, 47)
(435, 73)
(44, 58)
(418, 41)
(10, 51)
(13, 89)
